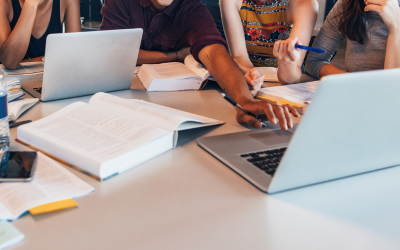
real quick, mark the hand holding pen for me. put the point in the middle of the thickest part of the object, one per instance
(274, 113)
(289, 50)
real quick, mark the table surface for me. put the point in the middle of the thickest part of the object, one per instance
(186, 199)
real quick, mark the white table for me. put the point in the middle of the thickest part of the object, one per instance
(186, 199)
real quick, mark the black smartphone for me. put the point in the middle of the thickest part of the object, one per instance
(17, 166)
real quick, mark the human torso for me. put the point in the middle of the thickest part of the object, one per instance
(48, 21)
(264, 22)
(165, 31)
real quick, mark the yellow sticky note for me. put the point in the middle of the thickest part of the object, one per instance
(54, 206)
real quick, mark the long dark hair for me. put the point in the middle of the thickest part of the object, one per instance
(353, 20)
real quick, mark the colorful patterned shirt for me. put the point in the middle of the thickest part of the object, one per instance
(264, 22)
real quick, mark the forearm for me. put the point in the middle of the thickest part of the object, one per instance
(244, 63)
(148, 57)
(288, 72)
(392, 58)
(226, 72)
(329, 69)
(15, 47)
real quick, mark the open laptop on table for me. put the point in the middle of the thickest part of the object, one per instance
(84, 63)
(352, 126)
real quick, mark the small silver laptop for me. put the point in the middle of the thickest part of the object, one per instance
(84, 63)
(352, 126)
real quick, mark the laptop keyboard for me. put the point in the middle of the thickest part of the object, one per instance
(267, 160)
(39, 90)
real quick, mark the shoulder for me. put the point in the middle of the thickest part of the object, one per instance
(293, 4)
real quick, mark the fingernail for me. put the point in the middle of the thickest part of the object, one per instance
(275, 120)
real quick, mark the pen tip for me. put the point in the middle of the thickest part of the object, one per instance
(223, 94)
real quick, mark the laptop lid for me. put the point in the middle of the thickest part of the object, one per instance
(84, 63)
(351, 127)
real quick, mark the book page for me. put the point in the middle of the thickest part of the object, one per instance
(270, 73)
(51, 182)
(16, 108)
(171, 70)
(298, 93)
(196, 67)
(157, 115)
(25, 68)
(86, 135)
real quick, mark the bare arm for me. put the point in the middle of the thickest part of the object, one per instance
(303, 15)
(234, 33)
(231, 79)
(72, 17)
(237, 45)
(329, 38)
(13, 45)
(148, 57)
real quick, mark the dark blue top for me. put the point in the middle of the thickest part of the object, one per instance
(37, 46)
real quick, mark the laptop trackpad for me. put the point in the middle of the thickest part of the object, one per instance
(275, 138)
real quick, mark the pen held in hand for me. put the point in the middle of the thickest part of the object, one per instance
(316, 50)
(235, 104)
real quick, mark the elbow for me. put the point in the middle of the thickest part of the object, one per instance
(10, 65)
(7, 63)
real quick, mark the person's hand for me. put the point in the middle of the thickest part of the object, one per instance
(275, 113)
(284, 50)
(254, 80)
(182, 54)
(388, 10)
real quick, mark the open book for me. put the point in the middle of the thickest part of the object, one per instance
(174, 76)
(270, 73)
(110, 134)
(296, 95)
(51, 183)
(16, 108)
(26, 71)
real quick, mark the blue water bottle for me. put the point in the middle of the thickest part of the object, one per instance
(4, 129)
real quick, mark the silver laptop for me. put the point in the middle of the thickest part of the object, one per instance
(352, 126)
(84, 63)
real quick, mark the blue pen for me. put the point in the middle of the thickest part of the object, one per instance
(321, 51)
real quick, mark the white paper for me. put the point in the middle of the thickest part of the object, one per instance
(95, 134)
(297, 93)
(270, 73)
(51, 183)
(157, 115)
(169, 70)
(25, 68)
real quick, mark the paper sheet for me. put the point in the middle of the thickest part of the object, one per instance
(25, 68)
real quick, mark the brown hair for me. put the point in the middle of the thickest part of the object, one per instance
(352, 23)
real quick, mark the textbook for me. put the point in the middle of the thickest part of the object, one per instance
(174, 76)
(297, 95)
(16, 108)
(51, 182)
(270, 73)
(109, 134)
(26, 72)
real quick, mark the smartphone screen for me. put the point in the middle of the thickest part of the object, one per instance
(17, 166)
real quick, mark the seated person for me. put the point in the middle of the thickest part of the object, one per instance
(170, 27)
(371, 31)
(263, 33)
(25, 24)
